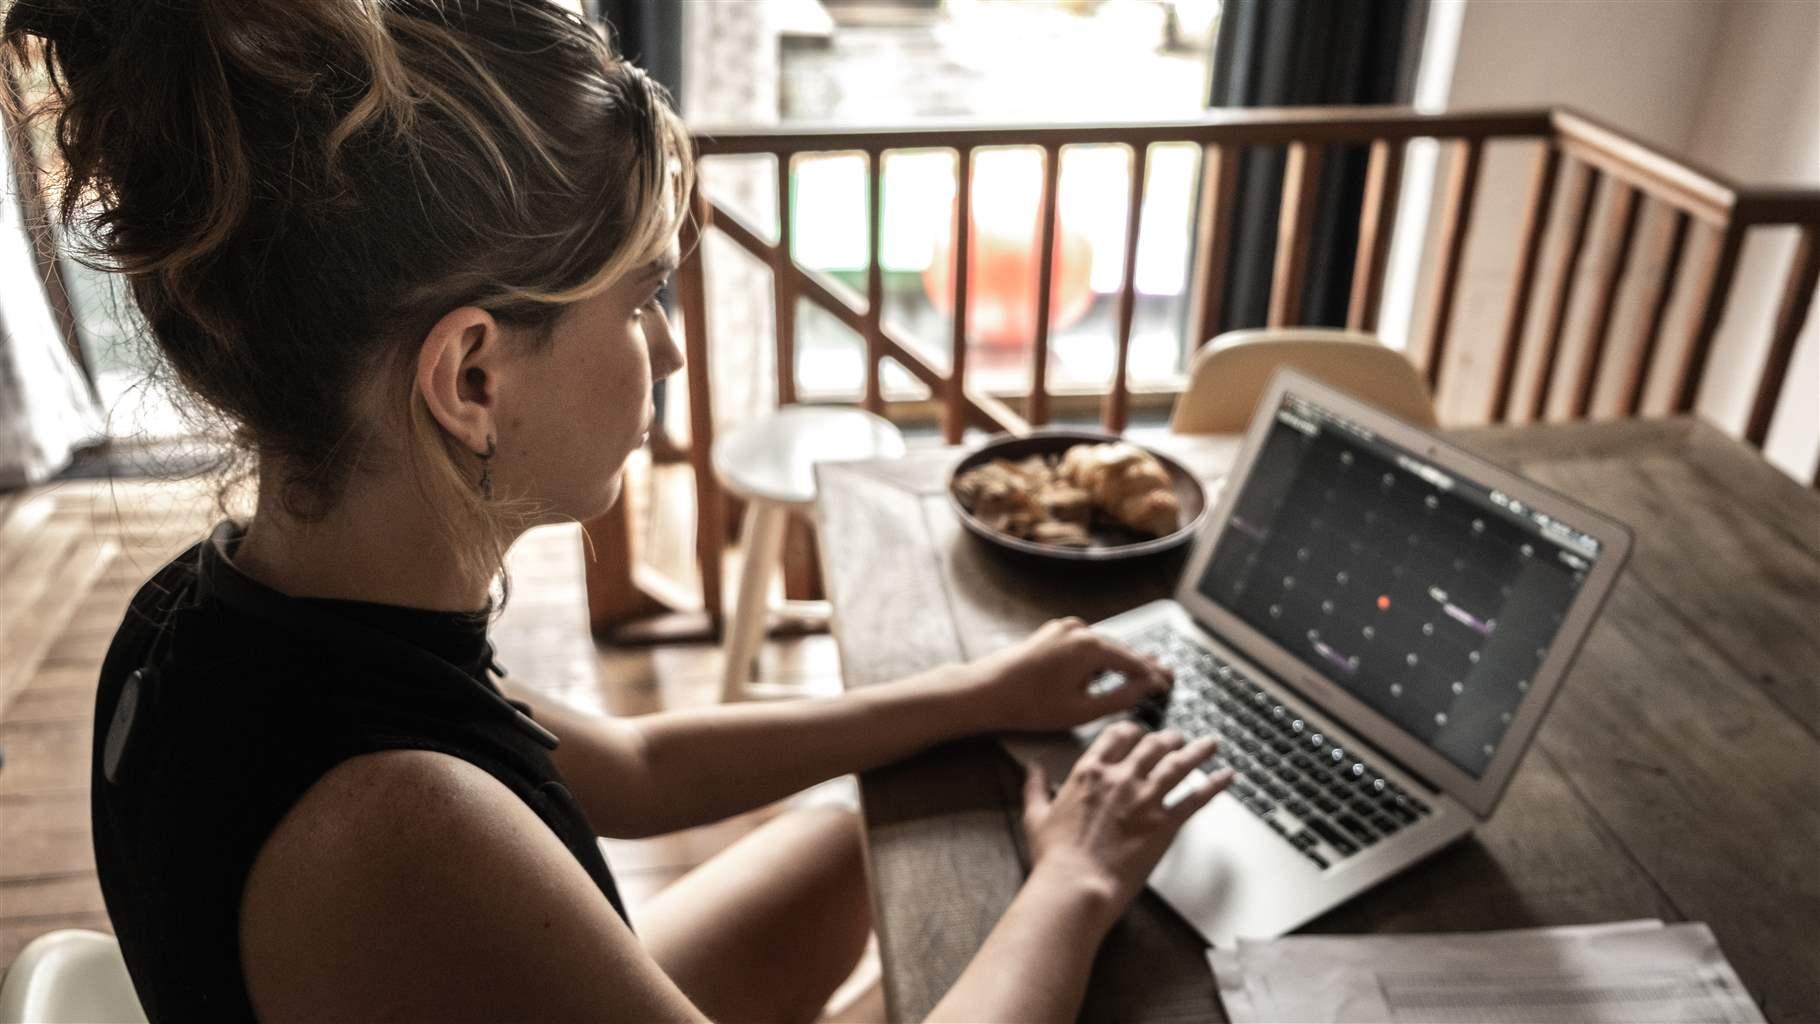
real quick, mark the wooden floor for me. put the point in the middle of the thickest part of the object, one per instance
(71, 556)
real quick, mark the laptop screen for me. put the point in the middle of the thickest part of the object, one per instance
(1428, 597)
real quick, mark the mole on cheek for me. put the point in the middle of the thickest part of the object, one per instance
(517, 421)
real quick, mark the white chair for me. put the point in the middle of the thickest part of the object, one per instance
(770, 464)
(69, 977)
(1229, 374)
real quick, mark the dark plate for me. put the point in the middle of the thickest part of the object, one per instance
(1110, 543)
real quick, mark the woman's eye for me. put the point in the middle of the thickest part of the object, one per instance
(657, 303)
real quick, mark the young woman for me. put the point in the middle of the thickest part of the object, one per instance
(409, 252)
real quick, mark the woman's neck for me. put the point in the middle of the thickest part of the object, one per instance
(377, 545)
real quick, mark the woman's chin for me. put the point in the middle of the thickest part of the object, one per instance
(608, 496)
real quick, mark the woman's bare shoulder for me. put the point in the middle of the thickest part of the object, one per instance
(413, 884)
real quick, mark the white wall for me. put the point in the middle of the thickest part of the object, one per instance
(1759, 122)
(1735, 86)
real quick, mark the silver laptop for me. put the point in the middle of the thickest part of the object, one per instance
(1374, 622)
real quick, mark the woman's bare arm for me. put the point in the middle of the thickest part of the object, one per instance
(411, 885)
(661, 772)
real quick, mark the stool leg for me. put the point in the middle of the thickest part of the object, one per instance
(762, 538)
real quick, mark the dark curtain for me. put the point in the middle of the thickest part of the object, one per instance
(1272, 53)
(648, 33)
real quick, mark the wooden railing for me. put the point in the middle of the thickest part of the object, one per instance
(1575, 154)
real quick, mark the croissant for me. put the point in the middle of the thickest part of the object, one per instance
(1002, 494)
(1069, 535)
(1038, 499)
(1126, 483)
(1064, 503)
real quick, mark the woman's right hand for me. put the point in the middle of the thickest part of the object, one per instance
(1107, 826)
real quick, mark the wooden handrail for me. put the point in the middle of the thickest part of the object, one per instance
(1777, 206)
(983, 410)
(1700, 192)
(1252, 127)
(1577, 159)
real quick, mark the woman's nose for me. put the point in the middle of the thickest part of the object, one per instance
(666, 355)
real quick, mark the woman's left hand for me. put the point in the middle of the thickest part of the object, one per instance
(1040, 683)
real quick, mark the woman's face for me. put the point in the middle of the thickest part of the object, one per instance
(580, 406)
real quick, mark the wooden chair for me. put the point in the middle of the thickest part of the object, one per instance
(1229, 374)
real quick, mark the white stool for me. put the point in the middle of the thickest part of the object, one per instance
(66, 977)
(770, 463)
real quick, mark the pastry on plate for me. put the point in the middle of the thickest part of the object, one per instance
(1126, 483)
(1054, 500)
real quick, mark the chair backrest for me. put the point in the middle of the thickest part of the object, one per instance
(1229, 373)
(69, 976)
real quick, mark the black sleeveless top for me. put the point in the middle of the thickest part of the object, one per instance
(222, 701)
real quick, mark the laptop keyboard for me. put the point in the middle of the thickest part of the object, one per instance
(1327, 802)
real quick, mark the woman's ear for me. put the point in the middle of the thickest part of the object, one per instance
(458, 375)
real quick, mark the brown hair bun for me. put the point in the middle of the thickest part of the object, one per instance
(296, 190)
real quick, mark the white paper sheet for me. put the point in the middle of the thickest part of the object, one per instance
(1632, 971)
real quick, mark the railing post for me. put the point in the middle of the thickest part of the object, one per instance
(1622, 230)
(783, 285)
(1713, 287)
(1791, 314)
(874, 399)
(1377, 222)
(692, 295)
(1295, 218)
(1456, 219)
(1582, 190)
(1036, 407)
(1536, 215)
(1116, 398)
(1213, 236)
(1671, 241)
(840, 302)
(954, 414)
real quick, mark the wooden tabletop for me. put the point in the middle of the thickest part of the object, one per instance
(1677, 775)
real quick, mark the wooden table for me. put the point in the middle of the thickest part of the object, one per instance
(1677, 776)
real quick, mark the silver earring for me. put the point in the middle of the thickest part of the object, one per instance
(486, 469)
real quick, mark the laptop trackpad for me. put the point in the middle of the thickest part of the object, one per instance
(1225, 873)
(1056, 751)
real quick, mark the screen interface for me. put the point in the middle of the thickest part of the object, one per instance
(1428, 597)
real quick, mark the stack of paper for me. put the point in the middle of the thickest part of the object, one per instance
(1633, 971)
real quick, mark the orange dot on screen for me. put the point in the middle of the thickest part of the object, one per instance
(1383, 602)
